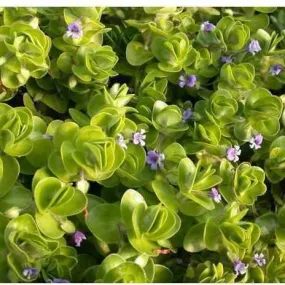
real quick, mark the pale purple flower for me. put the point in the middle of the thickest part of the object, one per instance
(254, 47)
(188, 80)
(187, 115)
(182, 80)
(155, 159)
(275, 69)
(226, 59)
(78, 238)
(256, 141)
(259, 259)
(233, 153)
(139, 137)
(191, 82)
(121, 141)
(74, 30)
(215, 195)
(207, 27)
(30, 273)
(240, 267)
(57, 280)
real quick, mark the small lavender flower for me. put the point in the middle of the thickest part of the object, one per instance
(188, 80)
(254, 47)
(30, 273)
(240, 267)
(155, 159)
(182, 81)
(233, 153)
(259, 259)
(226, 59)
(215, 195)
(275, 69)
(56, 280)
(121, 141)
(207, 27)
(187, 115)
(191, 81)
(74, 30)
(78, 238)
(139, 137)
(256, 141)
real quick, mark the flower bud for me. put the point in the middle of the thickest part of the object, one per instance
(72, 82)
(82, 185)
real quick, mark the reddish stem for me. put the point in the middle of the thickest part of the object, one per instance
(85, 212)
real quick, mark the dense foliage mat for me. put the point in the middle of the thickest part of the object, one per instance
(142, 145)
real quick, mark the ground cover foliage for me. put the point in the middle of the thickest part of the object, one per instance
(142, 145)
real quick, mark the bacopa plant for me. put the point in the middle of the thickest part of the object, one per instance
(142, 145)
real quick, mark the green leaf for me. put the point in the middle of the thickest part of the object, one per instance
(104, 221)
(137, 54)
(194, 239)
(49, 225)
(42, 148)
(110, 262)
(45, 191)
(64, 132)
(24, 222)
(51, 195)
(126, 272)
(166, 194)
(129, 202)
(265, 9)
(187, 175)
(162, 274)
(79, 118)
(3, 250)
(18, 198)
(190, 208)
(280, 238)
(9, 171)
(202, 199)
(267, 223)
(212, 235)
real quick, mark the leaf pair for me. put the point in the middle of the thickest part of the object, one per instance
(25, 50)
(137, 269)
(194, 180)
(244, 184)
(223, 230)
(148, 228)
(55, 202)
(87, 149)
